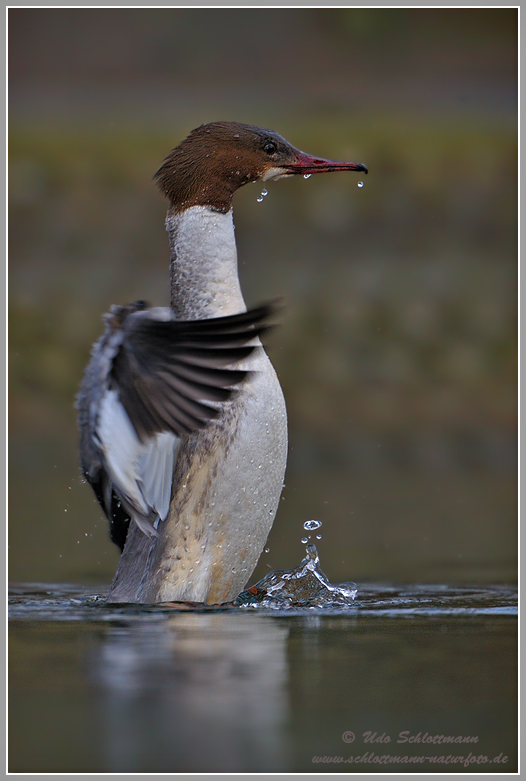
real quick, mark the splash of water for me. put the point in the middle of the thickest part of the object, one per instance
(304, 586)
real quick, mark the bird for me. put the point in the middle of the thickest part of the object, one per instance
(183, 424)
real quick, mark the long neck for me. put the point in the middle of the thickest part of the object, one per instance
(204, 276)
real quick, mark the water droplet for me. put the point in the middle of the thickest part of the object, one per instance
(304, 540)
(348, 589)
(264, 192)
(360, 184)
(267, 550)
(318, 536)
(311, 525)
(307, 176)
(259, 198)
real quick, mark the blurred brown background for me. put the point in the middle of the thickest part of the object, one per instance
(397, 352)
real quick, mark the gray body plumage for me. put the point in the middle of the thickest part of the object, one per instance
(202, 498)
(227, 477)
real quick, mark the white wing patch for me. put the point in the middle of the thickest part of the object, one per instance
(156, 468)
(140, 471)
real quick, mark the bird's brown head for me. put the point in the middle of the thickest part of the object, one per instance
(214, 160)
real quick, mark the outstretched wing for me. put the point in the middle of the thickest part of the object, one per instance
(165, 370)
(147, 384)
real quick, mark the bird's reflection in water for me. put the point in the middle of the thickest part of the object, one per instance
(194, 692)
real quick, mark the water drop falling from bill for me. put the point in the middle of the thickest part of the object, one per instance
(307, 176)
(360, 184)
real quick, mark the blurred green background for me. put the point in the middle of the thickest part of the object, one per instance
(397, 352)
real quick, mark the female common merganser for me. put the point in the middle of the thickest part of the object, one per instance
(191, 488)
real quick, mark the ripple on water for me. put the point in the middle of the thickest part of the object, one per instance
(278, 592)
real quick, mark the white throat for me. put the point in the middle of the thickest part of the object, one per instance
(204, 275)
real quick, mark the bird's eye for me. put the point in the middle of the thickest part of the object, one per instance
(270, 147)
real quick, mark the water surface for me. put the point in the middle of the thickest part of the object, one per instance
(121, 688)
